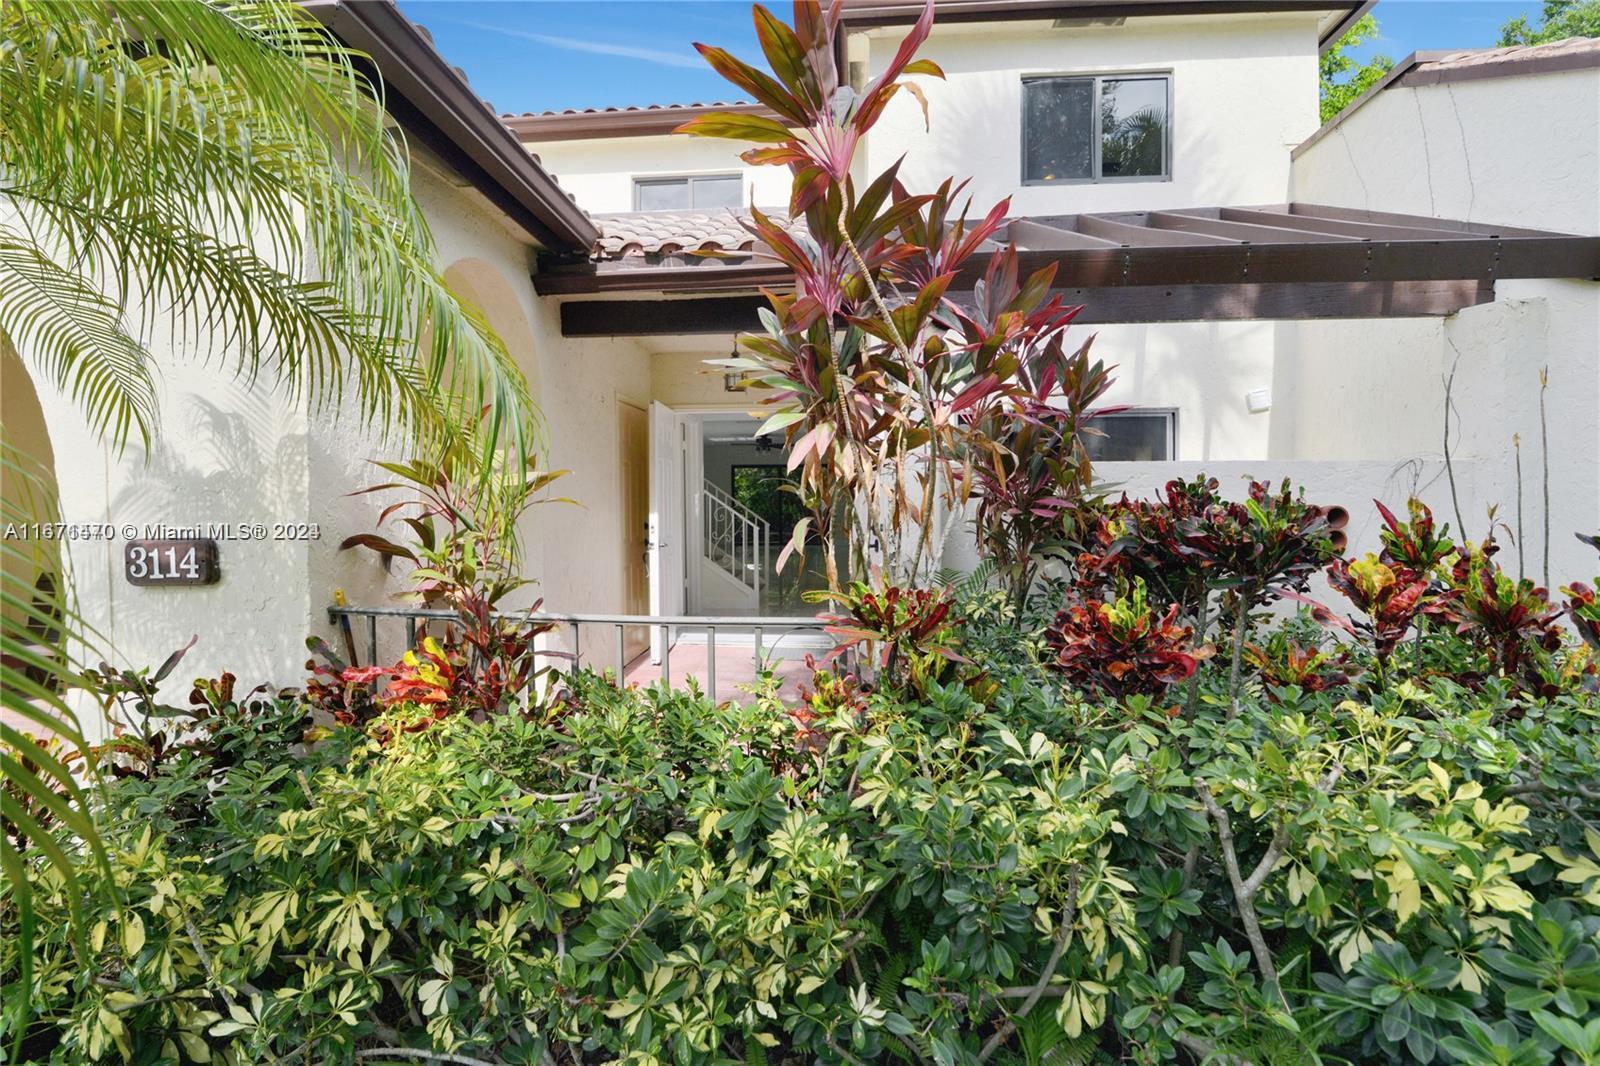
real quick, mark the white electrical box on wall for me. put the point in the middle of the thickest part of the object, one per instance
(1258, 400)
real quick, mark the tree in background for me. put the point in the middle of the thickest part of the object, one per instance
(1342, 78)
(1559, 20)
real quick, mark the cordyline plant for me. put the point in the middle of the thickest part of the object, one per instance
(463, 529)
(1027, 465)
(883, 386)
(463, 554)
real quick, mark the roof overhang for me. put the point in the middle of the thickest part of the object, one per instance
(434, 104)
(653, 121)
(871, 14)
(1281, 261)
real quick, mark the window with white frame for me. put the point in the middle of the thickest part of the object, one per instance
(1139, 435)
(697, 192)
(1096, 128)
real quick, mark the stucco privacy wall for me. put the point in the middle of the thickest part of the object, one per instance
(1348, 483)
(1243, 93)
(1520, 151)
(600, 172)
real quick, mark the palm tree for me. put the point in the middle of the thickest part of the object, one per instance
(222, 170)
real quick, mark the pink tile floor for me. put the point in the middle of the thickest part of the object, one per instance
(735, 670)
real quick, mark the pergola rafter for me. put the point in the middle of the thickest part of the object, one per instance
(1286, 261)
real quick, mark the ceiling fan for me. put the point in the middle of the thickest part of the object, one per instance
(764, 443)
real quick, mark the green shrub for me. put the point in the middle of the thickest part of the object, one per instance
(901, 875)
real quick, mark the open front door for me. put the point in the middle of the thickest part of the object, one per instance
(668, 541)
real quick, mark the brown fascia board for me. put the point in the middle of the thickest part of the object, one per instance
(869, 14)
(621, 122)
(1396, 72)
(1339, 29)
(436, 105)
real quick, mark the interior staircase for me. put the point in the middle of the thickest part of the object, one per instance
(735, 542)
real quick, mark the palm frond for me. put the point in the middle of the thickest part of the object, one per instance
(237, 182)
(77, 339)
(39, 666)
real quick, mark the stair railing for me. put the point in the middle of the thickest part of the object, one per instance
(735, 538)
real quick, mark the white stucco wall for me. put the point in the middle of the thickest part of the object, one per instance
(1244, 91)
(574, 552)
(241, 452)
(1519, 151)
(600, 172)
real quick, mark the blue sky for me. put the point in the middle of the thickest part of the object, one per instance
(530, 55)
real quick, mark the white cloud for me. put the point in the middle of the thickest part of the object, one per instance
(605, 48)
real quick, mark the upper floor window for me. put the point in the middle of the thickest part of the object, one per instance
(1140, 435)
(701, 192)
(1077, 129)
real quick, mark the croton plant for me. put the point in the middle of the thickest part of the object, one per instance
(1122, 647)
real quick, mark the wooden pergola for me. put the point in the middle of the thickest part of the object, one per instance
(1282, 261)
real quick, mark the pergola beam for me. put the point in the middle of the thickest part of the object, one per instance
(1102, 306)
(1263, 245)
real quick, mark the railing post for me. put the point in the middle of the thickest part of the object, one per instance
(622, 666)
(577, 646)
(711, 662)
(666, 654)
(372, 640)
(758, 649)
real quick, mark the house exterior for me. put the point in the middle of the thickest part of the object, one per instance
(1279, 301)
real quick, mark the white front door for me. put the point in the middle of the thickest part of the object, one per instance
(667, 528)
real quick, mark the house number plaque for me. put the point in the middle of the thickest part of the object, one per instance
(171, 562)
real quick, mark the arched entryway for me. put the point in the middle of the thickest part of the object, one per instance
(30, 509)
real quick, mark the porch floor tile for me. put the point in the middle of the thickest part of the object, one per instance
(736, 670)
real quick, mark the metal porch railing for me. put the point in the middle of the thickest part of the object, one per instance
(768, 635)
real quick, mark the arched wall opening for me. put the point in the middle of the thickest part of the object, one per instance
(482, 285)
(29, 497)
(487, 289)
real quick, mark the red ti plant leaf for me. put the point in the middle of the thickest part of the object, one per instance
(738, 127)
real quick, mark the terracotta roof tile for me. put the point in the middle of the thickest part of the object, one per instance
(631, 109)
(1515, 54)
(649, 233)
(604, 122)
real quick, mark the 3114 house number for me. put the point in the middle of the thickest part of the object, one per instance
(171, 562)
